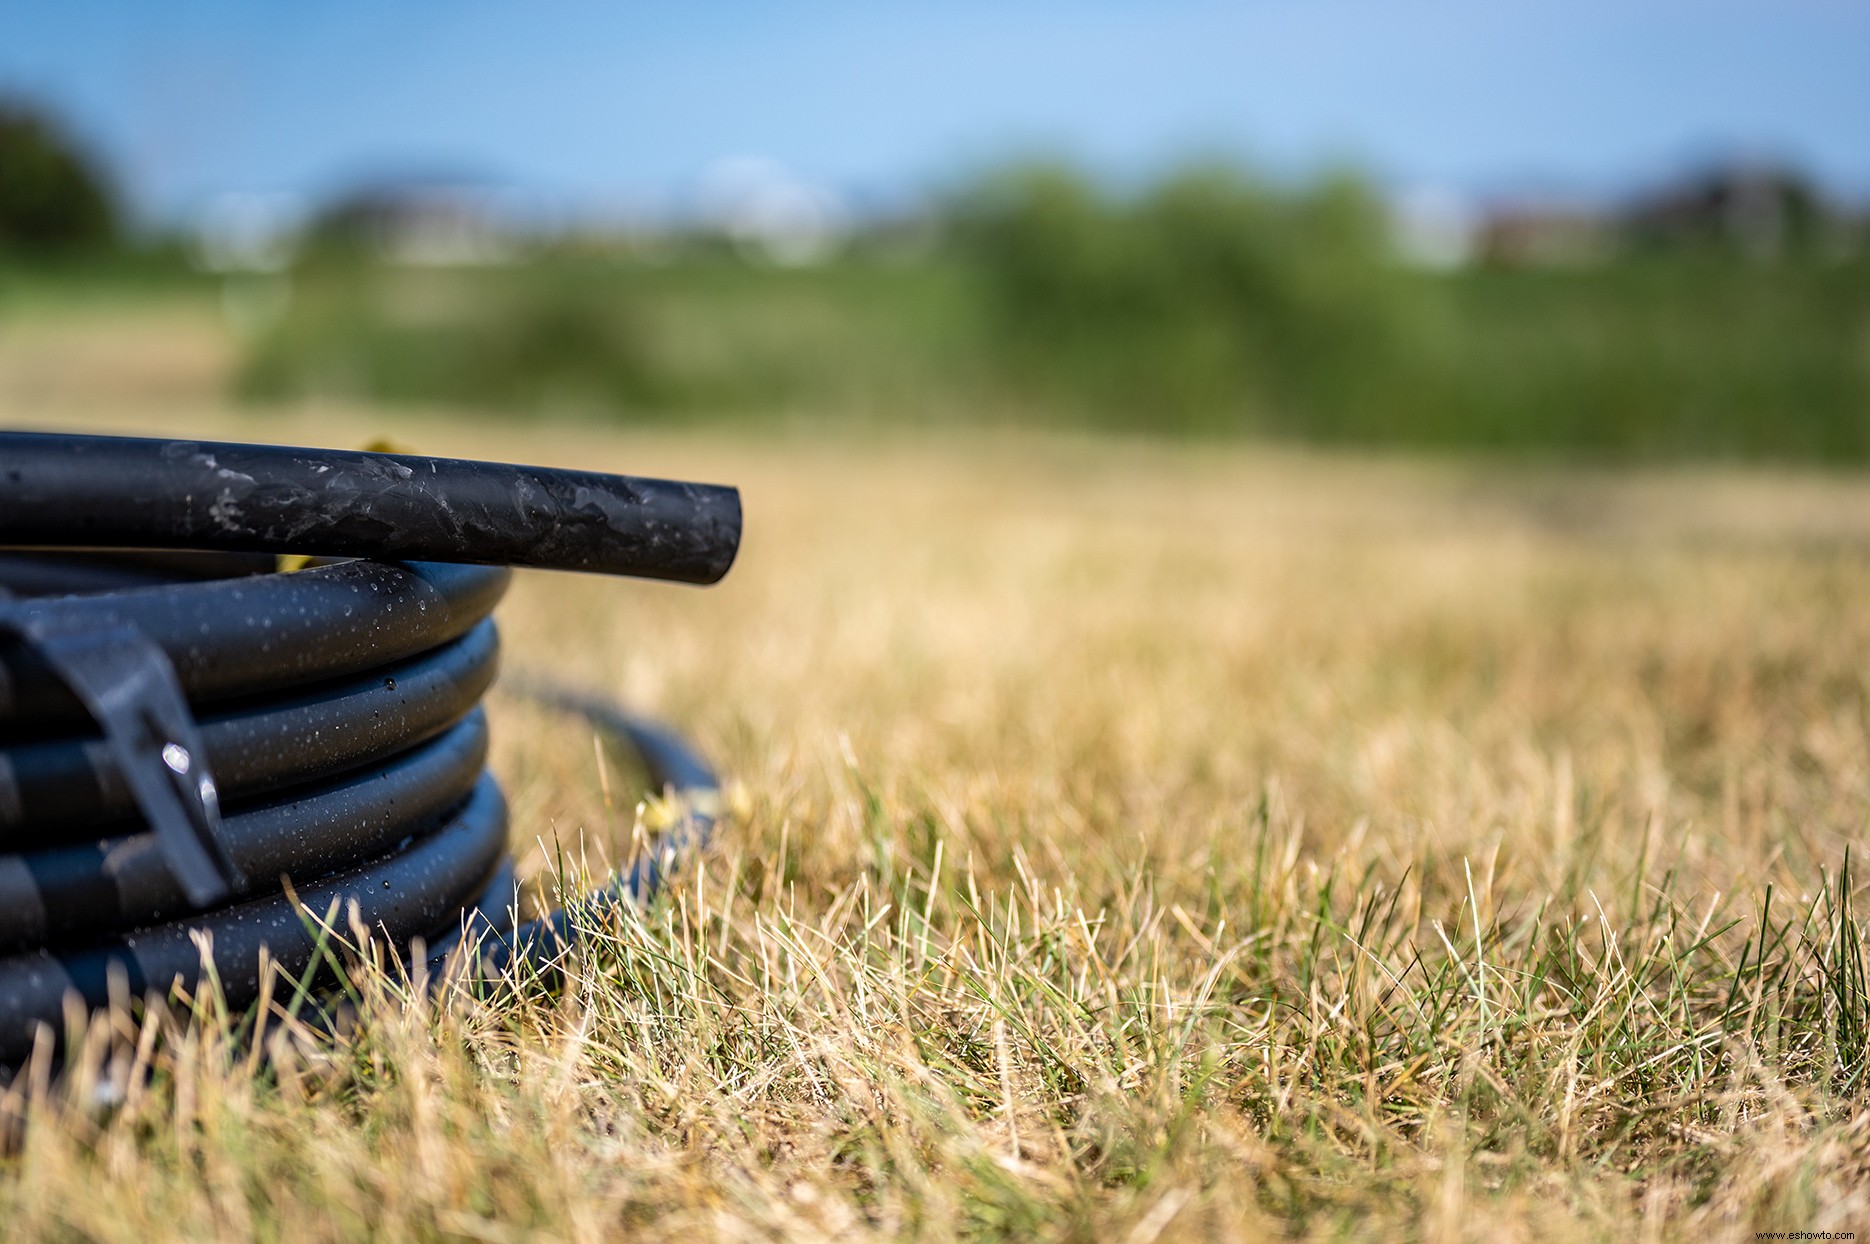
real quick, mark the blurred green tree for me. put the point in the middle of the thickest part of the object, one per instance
(1212, 302)
(51, 197)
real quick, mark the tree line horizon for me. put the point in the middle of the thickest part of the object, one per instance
(1722, 316)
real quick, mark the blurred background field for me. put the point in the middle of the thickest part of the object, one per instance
(1712, 306)
(1214, 304)
(1313, 689)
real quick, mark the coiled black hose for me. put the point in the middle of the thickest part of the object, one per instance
(197, 749)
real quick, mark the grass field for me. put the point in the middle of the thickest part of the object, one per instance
(1129, 843)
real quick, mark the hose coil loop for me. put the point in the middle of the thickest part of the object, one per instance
(197, 749)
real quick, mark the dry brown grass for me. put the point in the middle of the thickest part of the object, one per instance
(1131, 843)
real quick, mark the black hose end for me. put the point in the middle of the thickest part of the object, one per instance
(723, 515)
(131, 492)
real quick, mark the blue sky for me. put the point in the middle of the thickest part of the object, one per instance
(626, 103)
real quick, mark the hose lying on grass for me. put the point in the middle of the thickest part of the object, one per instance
(193, 742)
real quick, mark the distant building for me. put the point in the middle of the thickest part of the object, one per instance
(1763, 211)
(1432, 227)
(770, 213)
(1760, 211)
(1545, 235)
(249, 232)
(433, 224)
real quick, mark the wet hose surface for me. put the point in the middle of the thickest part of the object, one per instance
(199, 750)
